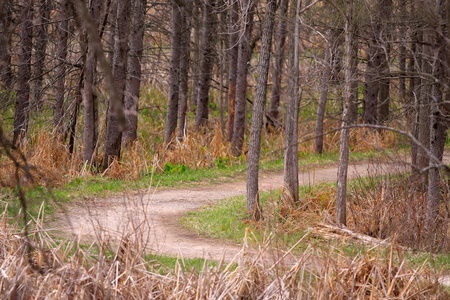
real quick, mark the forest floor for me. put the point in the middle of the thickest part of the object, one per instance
(154, 214)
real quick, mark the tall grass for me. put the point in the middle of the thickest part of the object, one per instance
(199, 150)
(66, 270)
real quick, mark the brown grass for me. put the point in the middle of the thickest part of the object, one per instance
(396, 206)
(67, 271)
(199, 150)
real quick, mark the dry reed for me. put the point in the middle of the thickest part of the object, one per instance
(64, 270)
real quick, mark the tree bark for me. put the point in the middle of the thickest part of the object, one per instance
(253, 204)
(174, 74)
(438, 128)
(385, 8)
(5, 44)
(324, 83)
(274, 106)
(113, 130)
(206, 64)
(24, 74)
(133, 84)
(90, 128)
(290, 185)
(414, 94)
(244, 56)
(341, 191)
(424, 105)
(40, 48)
(61, 52)
(402, 52)
(233, 43)
(184, 69)
(372, 84)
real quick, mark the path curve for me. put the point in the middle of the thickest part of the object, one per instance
(154, 214)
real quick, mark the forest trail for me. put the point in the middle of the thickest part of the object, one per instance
(154, 214)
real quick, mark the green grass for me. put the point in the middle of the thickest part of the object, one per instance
(164, 264)
(99, 186)
(229, 220)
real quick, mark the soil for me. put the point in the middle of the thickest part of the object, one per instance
(154, 214)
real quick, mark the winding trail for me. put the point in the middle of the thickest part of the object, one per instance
(154, 214)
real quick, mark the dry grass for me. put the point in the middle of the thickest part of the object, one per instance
(199, 150)
(395, 205)
(64, 270)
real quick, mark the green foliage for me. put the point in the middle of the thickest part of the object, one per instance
(170, 169)
(222, 163)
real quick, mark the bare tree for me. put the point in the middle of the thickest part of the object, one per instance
(113, 130)
(174, 73)
(233, 52)
(24, 73)
(438, 124)
(290, 185)
(63, 35)
(184, 68)
(244, 56)
(133, 85)
(206, 63)
(385, 8)
(341, 192)
(253, 204)
(372, 80)
(90, 131)
(323, 95)
(5, 43)
(274, 106)
(40, 47)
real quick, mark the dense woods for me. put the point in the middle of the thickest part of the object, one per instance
(82, 71)
(123, 90)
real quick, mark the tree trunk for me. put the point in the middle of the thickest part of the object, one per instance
(253, 204)
(206, 64)
(424, 105)
(74, 118)
(324, 82)
(414, 94)
(40, 48)
(113, 131)
(197, 35)
(24, 73)
(274, 106)
(438, 129)
(244, 56)
(90, 129)
(402, 52)
(385, 8)
(5, 44)
(372, 84)
(133, 85)
(341, 191)
(233, 51)
(61, 53)
(184, 69)
(290, 185)
(174, 74)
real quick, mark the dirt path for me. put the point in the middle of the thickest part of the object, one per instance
(154, 214)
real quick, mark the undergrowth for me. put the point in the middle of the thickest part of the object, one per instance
(38, 267)
(380, 206)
